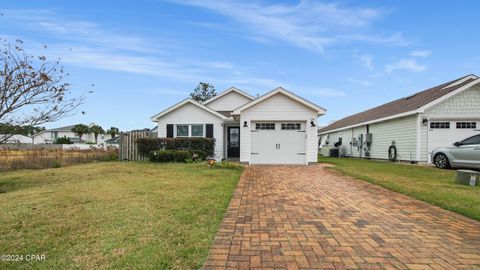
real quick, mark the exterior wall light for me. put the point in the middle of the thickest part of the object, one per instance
(245, 124)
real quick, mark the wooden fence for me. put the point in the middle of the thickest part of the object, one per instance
(128, 145)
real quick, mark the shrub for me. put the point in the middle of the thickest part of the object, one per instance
(201, 155)
(170, 155)
(146, 145)
(63, 140)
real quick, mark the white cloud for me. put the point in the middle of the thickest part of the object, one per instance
(360, 82)
(405, 64)
(367, 60)
(309, 24)
(421, 54)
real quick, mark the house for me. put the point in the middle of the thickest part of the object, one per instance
(15, 138)
(414, 125)
(278, 127)
(49, 136)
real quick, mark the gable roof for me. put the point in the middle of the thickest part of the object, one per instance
(229, 90)
(287, 93)
(405, 105)
(180, 104)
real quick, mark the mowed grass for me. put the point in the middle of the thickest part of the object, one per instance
(113, 215)
(428, 184)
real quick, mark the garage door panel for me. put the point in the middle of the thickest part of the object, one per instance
(278, 146)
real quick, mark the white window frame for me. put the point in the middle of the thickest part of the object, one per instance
(288, 126)
(191, 130)
(466, 125)
(440, 125)
(182, 136)
(262, 126)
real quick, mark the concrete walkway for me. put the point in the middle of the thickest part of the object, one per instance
(298, 217)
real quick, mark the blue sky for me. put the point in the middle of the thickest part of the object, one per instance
(346, 56)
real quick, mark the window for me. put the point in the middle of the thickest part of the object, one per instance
(265, 126)
(182, 130)
(466, 125)
(197, 130)
(440, 125)
(472, 140)
(291, 126)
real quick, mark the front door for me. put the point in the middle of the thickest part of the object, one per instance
(233, 142)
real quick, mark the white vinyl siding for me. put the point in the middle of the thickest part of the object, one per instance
(401, 130)
(228, 102)
(190, 114)
(282, 109)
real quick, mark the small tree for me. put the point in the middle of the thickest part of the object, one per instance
(33, 89)
(113, 131)
(81, 129)
(203, 91)
(96, 129)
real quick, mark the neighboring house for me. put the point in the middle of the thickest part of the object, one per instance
(416, 124)
(276, 128)
(112, 141)
(15, 138)
(49, 136)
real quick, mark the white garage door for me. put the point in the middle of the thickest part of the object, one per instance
(445, 133)
(278, 143)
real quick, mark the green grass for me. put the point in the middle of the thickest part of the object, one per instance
(113, 215)
(428, 184)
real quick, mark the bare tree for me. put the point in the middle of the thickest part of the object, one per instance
(33, 90)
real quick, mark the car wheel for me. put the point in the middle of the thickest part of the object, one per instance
(441, 161)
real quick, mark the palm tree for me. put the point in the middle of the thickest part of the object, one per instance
(81, 129)
(96, 129)
(113, 131)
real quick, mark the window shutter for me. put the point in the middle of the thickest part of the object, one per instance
(169, 130)
(209, 130)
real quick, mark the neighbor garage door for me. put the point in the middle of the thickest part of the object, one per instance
(278, 143)
(445, 133)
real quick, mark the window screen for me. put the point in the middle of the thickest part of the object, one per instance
(182, 130)
(197, 130)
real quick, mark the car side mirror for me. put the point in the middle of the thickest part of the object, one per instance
(456, 143)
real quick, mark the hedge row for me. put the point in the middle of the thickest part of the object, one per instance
(176, 155)
(147, 145)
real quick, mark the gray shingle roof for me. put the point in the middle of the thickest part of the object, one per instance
(402, 105)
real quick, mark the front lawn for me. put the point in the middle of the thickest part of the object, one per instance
(113, 215)
(428, 184)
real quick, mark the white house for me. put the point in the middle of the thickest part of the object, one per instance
(49, 136)
(414, 125)
(276, 128)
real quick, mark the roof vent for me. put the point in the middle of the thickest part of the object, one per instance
(409, 97)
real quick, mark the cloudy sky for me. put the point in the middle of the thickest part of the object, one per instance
(346, 56)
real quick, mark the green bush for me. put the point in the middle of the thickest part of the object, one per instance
(201, 155)
(63, 140)
(170, 155)
(146, 145)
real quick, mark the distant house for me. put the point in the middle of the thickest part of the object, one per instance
(49, 136)
(112, 141)
(16, 138)
(414, 125)
(278, 127)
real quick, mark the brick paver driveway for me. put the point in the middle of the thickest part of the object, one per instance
(288, 217)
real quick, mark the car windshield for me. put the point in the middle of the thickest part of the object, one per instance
(472, 140)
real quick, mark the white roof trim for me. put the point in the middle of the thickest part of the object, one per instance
(419, 110)
(471, 76)
(289, 94)
(449, 95)
(231, 89)
(180, 104)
